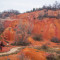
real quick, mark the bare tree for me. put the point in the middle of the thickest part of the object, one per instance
(8, 13)
(1, 27)
(24, 30)
(56, 5)
(58, 16)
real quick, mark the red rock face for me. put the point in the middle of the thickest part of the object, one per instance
(48, 28)
(9, 34)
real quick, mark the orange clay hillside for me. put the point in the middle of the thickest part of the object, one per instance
(33, 54)
(31, 36)
(48, 28)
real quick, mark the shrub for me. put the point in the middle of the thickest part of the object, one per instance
(38, 37)
(44, 47)
(59, 56)
(51, 16)
(20, 43)
(8, 59)
(58, 52)
(40, 17)
(51, 57)
(1, 28)
(55, 40)
(8, 13)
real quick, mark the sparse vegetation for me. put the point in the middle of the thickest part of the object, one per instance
(20, 43)
(23, 33)
(8, 13)
(38, 37)
(51, 57)
(40, 17)
(1, 27)
(55, 40)
(44, 47)
(54, 7)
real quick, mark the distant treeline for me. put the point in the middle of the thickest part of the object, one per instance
(8, 13)
(55, 6)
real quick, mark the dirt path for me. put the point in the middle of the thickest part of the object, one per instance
(12, 51)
